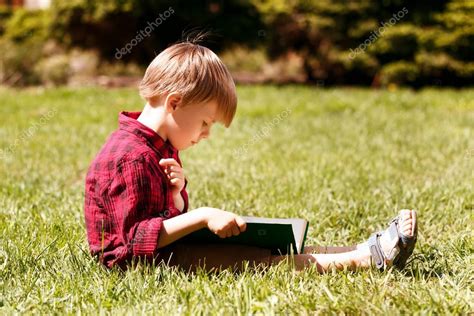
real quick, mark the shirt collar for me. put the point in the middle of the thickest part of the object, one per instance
(128, 122)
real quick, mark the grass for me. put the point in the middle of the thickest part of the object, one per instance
(345, 159)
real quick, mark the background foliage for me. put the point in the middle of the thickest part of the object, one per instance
(432, 44)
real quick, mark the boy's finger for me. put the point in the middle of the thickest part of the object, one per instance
(175, 181)
(168, 162)
(175, 175)
(169, 170)
(174, 168)
(241, 223)
(235, 230)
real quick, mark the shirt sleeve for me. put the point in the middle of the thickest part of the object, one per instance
(137, 195)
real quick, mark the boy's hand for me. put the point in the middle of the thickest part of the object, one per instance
(223, 223)
(174, 173)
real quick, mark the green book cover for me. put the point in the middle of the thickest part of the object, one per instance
(277, 234)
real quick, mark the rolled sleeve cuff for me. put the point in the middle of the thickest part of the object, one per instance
(145, 241)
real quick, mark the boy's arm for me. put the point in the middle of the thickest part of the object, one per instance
(177, 227)
(181, 199)
(179, 202)
(177, 181)
(144, 233)
(222, 223)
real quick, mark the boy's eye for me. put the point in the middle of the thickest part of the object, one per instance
(204, 123)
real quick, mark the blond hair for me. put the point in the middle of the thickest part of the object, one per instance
(196, 73)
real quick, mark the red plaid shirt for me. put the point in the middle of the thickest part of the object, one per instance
(127, 194)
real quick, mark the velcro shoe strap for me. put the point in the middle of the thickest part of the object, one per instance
(376, 251)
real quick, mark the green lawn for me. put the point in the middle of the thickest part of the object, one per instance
(345, 159)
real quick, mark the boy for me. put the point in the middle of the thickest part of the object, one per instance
(136, 203)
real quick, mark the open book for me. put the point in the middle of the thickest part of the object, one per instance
(277, 234)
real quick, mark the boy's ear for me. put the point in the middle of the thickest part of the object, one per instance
(172, 101)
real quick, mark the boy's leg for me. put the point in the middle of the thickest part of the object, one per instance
(214, 257)
(328, 249)
(211, 257)
(353, 259)
(359, 258)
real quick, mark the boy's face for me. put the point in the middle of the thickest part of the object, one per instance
(191, 123)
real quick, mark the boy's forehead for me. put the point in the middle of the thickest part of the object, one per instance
(210, 109)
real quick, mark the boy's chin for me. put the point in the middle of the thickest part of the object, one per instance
(189, 145)
(182, 146)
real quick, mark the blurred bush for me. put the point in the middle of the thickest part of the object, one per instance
(54, 70)
(28, 26)
(400, 72)
(38, 50)
(5, 14)
(17, 63)
(374, 42)
(243, 59)
(396, 43)
(363, 42)
(109, 25)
